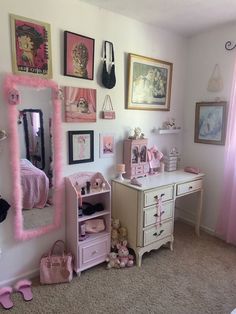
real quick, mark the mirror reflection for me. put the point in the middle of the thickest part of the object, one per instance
(35, 138)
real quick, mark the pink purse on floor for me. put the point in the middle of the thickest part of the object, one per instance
(56, 268)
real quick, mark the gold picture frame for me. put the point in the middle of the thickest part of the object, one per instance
(149, 83)
(31, 47)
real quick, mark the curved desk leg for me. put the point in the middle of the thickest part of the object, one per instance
(199, 213)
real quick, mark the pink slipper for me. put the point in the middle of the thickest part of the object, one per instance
(24, 287)
(5, 297)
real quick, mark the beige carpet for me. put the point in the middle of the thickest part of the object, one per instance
(198, 277)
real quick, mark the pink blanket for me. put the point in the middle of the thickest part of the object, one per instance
(35, 186)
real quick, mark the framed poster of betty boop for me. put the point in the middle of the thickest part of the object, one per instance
(31, 47)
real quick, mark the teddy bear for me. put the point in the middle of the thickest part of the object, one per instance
(114, 238)
(123, 234)
(124, 257)
(112, 260)
(115, 223)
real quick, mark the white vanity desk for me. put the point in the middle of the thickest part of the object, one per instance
(136, 207)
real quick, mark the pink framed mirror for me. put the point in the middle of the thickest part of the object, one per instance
(37, 192)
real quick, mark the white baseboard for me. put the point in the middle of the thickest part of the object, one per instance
(192, 223)
(28, 275)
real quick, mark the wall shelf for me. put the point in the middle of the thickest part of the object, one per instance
(168, 131)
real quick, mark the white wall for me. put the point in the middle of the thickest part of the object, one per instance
(128, 36)
(204, 51)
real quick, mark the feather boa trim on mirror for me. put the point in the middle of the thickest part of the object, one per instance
(12, 97)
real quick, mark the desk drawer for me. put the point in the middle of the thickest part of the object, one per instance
(151, 212)
(189, 187)
(150, 197)
(156, 233)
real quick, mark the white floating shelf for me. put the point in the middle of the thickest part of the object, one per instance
(169, 131)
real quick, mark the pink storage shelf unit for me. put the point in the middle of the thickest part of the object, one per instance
(93, 249)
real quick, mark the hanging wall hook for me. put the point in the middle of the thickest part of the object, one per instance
(229, 45)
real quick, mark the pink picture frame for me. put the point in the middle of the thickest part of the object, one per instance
(107, 144)
(31, 47)
(78, 56)
(80, 104)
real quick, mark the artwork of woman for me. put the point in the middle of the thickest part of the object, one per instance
(29, 41)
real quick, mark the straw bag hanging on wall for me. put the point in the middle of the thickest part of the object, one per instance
(215, 83)
(107, 109)
(108, 77)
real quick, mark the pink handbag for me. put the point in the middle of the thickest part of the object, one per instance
(94, 225)
(107, 109)
(56, 268)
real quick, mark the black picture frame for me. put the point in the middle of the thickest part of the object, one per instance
(81, 146)
(75, 46)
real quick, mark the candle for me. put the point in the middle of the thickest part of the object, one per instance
(120, 167)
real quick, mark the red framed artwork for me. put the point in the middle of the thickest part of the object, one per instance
(31, 47)
(80, 104)
(79, 56)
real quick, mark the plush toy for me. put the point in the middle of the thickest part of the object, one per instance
(112, 260)
(124, 257)
(114, 238)
(115, 223)
(123, 234)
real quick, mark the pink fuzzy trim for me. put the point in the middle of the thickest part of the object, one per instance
(11, 82)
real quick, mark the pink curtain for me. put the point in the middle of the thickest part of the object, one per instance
(226, 224)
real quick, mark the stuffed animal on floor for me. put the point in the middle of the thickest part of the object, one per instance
(115, 223)
(126, 259)
(113, 261)
(123, 234)
(114, 239)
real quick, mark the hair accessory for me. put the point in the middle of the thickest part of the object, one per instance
(3, 135)
(13, 97)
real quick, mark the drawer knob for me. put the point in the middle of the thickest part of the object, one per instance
(156, 196)
(94, 252)
(158, 234)
(190, 187)
(156, 215)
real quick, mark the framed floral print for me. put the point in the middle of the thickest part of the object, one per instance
(149, 84)
(31, 47)
(210, 123)
(78, 56)
(81, 146)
